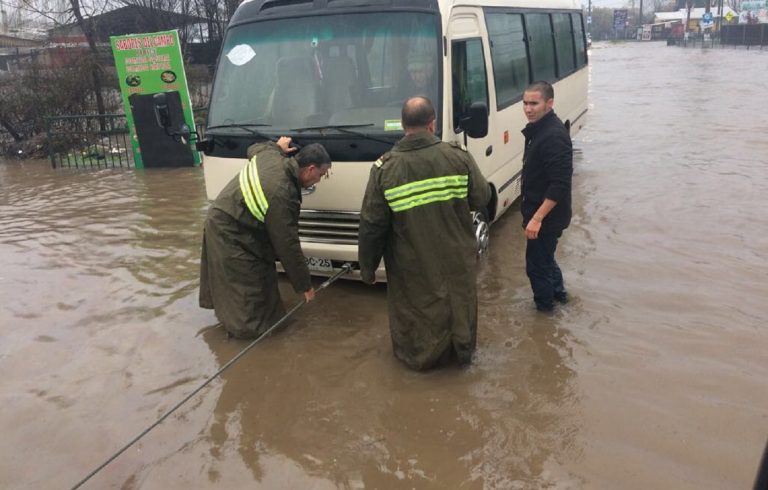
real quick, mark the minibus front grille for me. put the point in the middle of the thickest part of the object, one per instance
(329, 226)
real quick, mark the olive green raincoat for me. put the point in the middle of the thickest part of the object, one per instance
(238, 278)
(416, 215)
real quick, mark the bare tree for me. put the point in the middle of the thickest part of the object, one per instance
(90, 37)
(27, 98)
(73, 10)
(161, 15)
(217, 15)
(664, 5)
(214, 17)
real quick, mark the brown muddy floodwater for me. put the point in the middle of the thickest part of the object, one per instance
(654, 376)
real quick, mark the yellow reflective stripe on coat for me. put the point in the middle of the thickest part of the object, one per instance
(250, 186)
(247, 196)
(426, 185)
(419, 193)
(427, 198)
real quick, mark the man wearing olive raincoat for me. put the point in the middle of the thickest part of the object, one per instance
(416, 214)
(253, 222)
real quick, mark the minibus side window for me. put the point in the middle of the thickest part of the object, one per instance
(542, 47)
(509, 56)
(565, 46)
(581, 43)
(469, 79)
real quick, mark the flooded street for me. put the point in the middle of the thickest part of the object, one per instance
(655, 375)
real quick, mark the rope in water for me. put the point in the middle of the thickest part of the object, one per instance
(347, 267)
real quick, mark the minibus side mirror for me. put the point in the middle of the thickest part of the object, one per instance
(475, 123)
(205, 145)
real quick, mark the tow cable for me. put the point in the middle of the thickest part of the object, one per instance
(346, 268)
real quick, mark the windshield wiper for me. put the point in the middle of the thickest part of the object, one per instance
(333, 126)
(247, 127)
(345, 128)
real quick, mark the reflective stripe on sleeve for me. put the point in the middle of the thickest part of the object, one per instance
(250, 186)
(436, 189)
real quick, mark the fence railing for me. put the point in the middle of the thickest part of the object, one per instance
(89, 141)
(748, 35)
(95, 141)
(695, 41)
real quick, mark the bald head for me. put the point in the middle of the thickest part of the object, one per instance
(418, 114)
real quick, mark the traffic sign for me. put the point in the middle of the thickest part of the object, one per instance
(619, 19)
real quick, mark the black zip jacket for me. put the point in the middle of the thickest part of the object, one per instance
(547, 172)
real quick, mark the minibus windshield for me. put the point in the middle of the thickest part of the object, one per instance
(343, 70)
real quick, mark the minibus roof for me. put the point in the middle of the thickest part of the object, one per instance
(251, 10)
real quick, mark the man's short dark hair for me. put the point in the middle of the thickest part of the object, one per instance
(314, 153)
(417, 112)
(544, 88)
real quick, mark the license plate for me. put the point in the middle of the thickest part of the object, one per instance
(318, 264)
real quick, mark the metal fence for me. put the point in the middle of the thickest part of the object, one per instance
(695, 41)
(89, 141)
(749, 35)
(96, 141)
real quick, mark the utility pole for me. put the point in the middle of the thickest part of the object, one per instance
(719, 18)
(589, 17)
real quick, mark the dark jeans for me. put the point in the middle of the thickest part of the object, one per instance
(543, 271)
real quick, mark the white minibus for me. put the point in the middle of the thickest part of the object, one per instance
(337, 72)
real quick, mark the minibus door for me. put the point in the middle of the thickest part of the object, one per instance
(469, 90)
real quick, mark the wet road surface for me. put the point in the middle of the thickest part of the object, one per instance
(655, 375)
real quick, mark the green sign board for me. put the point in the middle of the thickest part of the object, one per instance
(149, 64)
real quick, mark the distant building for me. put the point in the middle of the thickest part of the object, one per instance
(694, 23)
(14, 50)
(661, 30)
(133, 19)
(8, 41)
(754, 12)
(64, 44)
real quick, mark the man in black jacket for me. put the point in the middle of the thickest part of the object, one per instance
(546, 189)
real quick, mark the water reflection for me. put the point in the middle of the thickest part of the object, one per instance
(326, 403)
(173, 204)
(98, 273)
